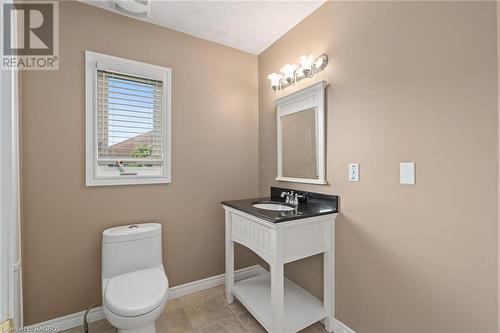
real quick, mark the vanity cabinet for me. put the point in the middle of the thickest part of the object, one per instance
(279, 304)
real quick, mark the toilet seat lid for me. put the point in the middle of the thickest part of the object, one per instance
(136, 293)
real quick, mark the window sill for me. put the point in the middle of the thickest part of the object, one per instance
(127, 180)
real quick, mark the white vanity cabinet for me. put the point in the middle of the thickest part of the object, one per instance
(279, 304)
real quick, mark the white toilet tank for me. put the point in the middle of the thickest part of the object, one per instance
(131, 248)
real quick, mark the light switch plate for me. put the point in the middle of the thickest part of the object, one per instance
(353, 172)
(407, 173)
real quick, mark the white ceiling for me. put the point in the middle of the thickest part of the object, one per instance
(250, 26)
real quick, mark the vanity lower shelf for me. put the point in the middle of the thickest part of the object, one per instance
(301, 308)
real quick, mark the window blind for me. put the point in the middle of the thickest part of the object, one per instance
(129, 111)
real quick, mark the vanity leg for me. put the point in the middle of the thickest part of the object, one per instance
(229, 260)
(277, 284)
(329, 276)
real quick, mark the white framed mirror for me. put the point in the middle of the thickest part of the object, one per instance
(301, 135)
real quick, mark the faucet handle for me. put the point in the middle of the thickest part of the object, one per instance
(296, 197)
(302, 196)
(287, 195)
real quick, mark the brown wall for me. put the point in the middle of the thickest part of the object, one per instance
(214, 143)
(409, 81)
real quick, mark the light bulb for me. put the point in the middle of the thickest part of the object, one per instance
(275, 79)
(306, 62)
(318, 63)
(288, 71)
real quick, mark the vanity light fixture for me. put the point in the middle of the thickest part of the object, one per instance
(306, 63)
(275, 79)
(291, 73)
(138, 8)
(321, 62)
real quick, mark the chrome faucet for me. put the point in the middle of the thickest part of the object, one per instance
(291, 198)
(288, 195)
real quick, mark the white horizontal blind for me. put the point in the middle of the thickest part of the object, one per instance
(129, 111)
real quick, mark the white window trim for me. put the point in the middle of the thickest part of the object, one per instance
(93, 176)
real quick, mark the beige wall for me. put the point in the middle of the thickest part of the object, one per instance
(214, 143)
(408, 82)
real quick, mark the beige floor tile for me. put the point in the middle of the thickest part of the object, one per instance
(172, 304)
(226, 325)
(250, 323)
(197, 297)
(78, 329)
(314, 328)
(106, 330)
(220, 289)
(174, 321)
(100, 326)
(237, 308)
(204, 312)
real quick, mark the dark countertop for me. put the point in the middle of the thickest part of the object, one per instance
(317, 204)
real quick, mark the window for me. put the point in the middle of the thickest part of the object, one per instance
(128, 122)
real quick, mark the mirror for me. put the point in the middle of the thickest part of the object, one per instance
(301, 136)
(298, 132)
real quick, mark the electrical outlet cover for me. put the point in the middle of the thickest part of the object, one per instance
(407, 173)
(353, 172)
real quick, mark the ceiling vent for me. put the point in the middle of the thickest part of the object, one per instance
(140, 8)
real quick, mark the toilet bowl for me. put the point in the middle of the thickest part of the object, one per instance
(134, 283)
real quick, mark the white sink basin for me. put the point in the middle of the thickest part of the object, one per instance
(273, 206)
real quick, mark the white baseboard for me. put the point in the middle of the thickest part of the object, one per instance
(76, 319)
(66, 322)
(340, 327)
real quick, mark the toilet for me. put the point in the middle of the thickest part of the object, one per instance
(134, 283)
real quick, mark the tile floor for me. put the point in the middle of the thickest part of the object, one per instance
(202, 312)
